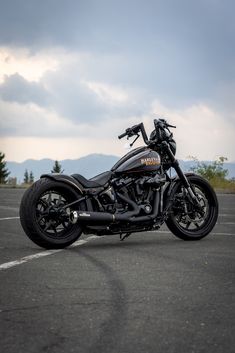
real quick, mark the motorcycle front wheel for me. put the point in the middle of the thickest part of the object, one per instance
(186, 221)
(44, 214)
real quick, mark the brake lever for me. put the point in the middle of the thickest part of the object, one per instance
(131, 144)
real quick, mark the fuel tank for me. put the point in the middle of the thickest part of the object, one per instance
(140, 160)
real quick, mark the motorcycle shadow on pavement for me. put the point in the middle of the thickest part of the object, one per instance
(112, 242)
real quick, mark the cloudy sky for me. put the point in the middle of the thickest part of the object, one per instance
(74, 74)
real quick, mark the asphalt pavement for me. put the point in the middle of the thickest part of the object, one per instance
(151, 293)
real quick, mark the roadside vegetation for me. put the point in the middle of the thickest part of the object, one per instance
(28, 178)
(215, 173)
(3, 170)
(57, 168)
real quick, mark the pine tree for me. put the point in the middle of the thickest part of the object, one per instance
(57, 168)
(31, 177)
(3, 170)
(26, 177)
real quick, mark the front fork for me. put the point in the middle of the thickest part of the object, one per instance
(181, 175)
(185, 182)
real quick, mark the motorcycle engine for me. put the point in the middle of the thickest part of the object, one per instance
(108, 199)
(140, 190)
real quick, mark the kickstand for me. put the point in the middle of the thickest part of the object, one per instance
(124, 236)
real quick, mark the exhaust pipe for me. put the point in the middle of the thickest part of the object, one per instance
(104, 217)
(107, 218)
(91, 217)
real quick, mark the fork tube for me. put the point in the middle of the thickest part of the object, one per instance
(180, 173)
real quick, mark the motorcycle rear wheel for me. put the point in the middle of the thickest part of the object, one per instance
(45, 217)
(184, 221)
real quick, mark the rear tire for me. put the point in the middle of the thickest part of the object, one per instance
(186, 223)
(40, 217)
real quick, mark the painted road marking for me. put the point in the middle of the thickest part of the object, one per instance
(25, 259)
(168, 232)
(226, 215)
(223, 233)
(6, 218)
(226, 222)
(9, 208)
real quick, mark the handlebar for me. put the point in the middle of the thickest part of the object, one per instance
(129, 132)
(160, 125)
(134, 130)
(122, 135)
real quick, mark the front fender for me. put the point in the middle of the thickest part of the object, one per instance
(171, 185)
(65, 179)
(175, 180)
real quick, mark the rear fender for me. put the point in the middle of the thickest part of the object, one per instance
(65, 179)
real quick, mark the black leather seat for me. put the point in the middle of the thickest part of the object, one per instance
(95, 182)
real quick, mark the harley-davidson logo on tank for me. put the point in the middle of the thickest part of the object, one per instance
(150, 161)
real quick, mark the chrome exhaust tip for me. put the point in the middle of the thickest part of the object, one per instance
(73, 217)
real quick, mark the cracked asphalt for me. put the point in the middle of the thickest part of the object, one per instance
(151, 293)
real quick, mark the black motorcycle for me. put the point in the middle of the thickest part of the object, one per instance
(138, 194)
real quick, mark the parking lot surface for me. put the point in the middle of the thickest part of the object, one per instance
(151, 293)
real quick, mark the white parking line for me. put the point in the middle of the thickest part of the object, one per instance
(9, 208)
(226, 222)
(226, 215)
(223, 234)
(3, 219)
(10, 264)
(168, 232)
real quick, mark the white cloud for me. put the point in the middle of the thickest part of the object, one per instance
(25, 120)
(31, 120)
(30, 66)
(201, 131)
(87, 109)
(108, 93)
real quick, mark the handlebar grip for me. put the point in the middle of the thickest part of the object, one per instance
(122, 135)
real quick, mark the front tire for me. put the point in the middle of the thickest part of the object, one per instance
(44, 216)
(184, 220)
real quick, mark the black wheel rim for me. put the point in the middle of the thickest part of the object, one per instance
(185, 215)
(52, 215)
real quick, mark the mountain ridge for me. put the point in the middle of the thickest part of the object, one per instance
(88, 166)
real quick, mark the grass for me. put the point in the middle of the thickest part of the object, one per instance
(223, 185)
(14, 186)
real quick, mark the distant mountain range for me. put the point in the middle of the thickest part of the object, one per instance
(88, 166)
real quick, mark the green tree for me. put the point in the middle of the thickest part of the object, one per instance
(57, 168)
(31, 177)
(3, 170)
(26, 177)
(213, 171)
